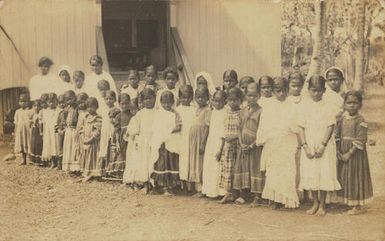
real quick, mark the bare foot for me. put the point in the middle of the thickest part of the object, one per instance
(87, 179)
(321, 212)
(355, 211)
(167, 193)
(240, 201)
(198, 195)
(227, 198)
(313, 209)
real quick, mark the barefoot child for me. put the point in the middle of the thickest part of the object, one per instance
(82, 111)
(318, 161)
(353, 165)
(36, 134)
(266, 85)
(247, 174)
(60, 118)
(49, 121)
(230, 143)
(211, 165)
(22, 133)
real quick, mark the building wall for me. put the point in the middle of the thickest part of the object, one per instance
(222, 34)
(63, 30)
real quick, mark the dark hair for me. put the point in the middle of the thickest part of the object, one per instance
(97, 59)
(81, 73)
(103, 84)
(150, 67)
(317, 81)
(82, 96)
(170, 70)
(256, 86)
(45, 61)
(220, 92)
(336, 71)
(44, 97)
(124, 96)
(111, 93)
(113, 112)
(247, 79)
(36, 102)
(266, 77)
(52, 97)
(280, 80)
(24, 96)
(92, 101)
(185, 89)
(235, 93)
(203, 90)
(147, 92)
(60, 98)
(167, 94)
(133, 71)
(231, 73)
(354, 93)
(296, 76)
(70, 93)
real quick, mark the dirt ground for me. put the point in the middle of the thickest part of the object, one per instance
(43, 204)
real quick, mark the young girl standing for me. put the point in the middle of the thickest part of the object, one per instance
(266, 85)
(170, 76)
(78, 78)
(230, 143)
(132, 89)
(318, 161)
(22, 134)
(36, 134)
(210, 186)
(243, 83)
(166, 164)
(82, 111)
(60, 118)
(198, 134)
(247, 174)
(138, 136)
(90, 135)
(49, 151)
(353, 165)
(204, 79)
(278, 133)
(296, 82)
(230, 80)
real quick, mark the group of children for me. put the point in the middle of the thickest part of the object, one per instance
(269, 138)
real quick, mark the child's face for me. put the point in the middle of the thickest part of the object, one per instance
(79, 80)
(234, 103)
(252, 97)
(295, 87)
(96, 67)
(61, 102)
(166, 103)
(44, 105)
(218, 102)
(352, 105)
(82, 105)
(171, 80)
(201, 82)
(185, 98)
(110, 100)
(36, 108)
(280, 92)
(266, 89)
(23, 103)
(65, 76)
(316, 93)
(51, 104)
(102, 92)
(133, 81)
(70, 99)
(91, 109)
(150, 77)
(125, 105)
(334, 81)
(229, 82)
(44, 69)
(149, 102)
(243, 86)
(201, 99)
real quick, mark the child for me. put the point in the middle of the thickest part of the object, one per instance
(132, 89)
(318, 161)
(210, 177)
(78, 78)
(204, 79)
(334, 93)
(120, 122)
(90, 135)
(230, 80)
(266, 85)
(277, 133)
(82, 111)
(36, 134)
(186, 113)
(103, 87)
(70, 164)
(138, 136)
(150, 75)
(22, 133)
(243, 83)
(230, 143)
(60, 118)
(170, 76)
(247, 174)
(166, 164)
(64, 75)
(353, 165)
(296, 82)
(198, 134)
(49, 151)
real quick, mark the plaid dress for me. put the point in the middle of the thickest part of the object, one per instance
(230, 149)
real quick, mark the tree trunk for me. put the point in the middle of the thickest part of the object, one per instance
(358, 83)
(350, 65)
(317, 56)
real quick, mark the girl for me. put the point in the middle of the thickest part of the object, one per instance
(64, 75)
(36, 134)
(204, 79)
(296, 82)
(78, 78)
(230, 143)
(230, 80)
(48, 121)
(186, 113)
(277, 133)
(103, 87)
(132, 89)
(60, 118)
(22, 133)
(353, 165)
(210, 177)
(334, 93)
(166, 169)
(150, 75)
(90, 135)
(247, 174)
(70, 164)
(266, 85)
(82, 111)
(198, 134)
(243, 83)
(170, 76)
(318, 161)
(138, 136)
(121, 122)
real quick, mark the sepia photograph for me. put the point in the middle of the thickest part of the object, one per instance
(192, 120)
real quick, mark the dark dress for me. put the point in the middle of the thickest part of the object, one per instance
(36, 139)
(353, 175)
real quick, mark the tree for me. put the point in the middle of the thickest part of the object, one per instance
(358, 83)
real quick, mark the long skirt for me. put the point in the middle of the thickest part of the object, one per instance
(247, 174)
(69, 161)
(36, 146)
(92, 163)
(227, 161)
(166, 168)
(22, 139)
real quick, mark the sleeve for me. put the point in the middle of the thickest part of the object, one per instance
(133, 127)
(361, 134)
(208, 117)
(16, 118)
(97, 126)
(337, 130)
(301, 116)
(262, 132)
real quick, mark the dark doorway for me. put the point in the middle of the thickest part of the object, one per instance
(135, 33)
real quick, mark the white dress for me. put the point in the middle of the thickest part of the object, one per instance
(174, 91)
(264, 102)
(335, 101)
(41, 84)
(138, 150)
(277, 133)
(106, 130)
(133, 93)
(318, 173)
(211, 167)
(22, 131)
(90, 85)
(49, 120)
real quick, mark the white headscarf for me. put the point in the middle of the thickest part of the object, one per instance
(210, 83)
(64, 86)
(343, 85)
